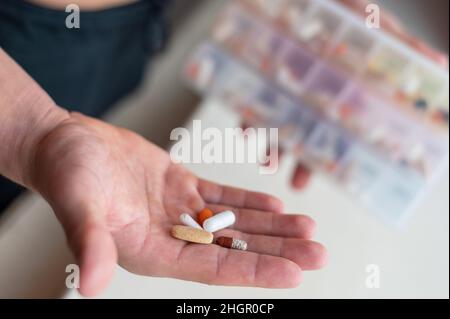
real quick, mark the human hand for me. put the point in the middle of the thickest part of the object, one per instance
(117, 197)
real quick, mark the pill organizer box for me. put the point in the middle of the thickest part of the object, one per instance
(348, 100)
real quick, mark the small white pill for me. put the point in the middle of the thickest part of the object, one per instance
(219, 221)
(187, 220)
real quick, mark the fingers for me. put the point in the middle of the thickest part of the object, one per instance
(256, 222)
(307, 254)
(224, 195)
(216, 265)
(301, 176)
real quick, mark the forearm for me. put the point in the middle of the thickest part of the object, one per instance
(27, 115)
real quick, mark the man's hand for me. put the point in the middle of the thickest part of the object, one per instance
(117, 197)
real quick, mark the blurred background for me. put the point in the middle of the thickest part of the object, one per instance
(413, 258)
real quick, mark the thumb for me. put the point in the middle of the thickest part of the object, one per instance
(96, 256)
(90, 240)
(62, 171)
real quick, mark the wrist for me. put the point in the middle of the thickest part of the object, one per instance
(34, 118)
(28, 114)
(47, 117)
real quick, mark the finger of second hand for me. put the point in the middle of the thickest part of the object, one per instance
(301, 176)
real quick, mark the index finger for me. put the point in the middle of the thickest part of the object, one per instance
(213, 193)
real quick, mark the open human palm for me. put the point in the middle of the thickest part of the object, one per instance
(117, 197)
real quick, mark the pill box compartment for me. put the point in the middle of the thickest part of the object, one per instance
(391, 135)
(424, 154)
(439, 113)
(385, 70)
(355, 111)
(317, 31)
(272, 10)
(278, 108)
(204, 68)
(293, 67)
(263, 50)
(324, 88)
(293, 15)
(296, 129)
(239, 90)
(233, 30)
(352, 49)
(325, 147)
(421, 90)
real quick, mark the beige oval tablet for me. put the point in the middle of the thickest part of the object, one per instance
(192, 235)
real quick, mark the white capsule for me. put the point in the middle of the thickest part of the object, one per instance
(219, 221)
(187, 220)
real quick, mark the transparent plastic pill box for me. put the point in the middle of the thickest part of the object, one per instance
(350, 101)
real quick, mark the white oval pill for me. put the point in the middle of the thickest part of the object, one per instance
(219, 221)
(187, 220)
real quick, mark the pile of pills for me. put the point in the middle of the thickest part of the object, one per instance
(201, 231)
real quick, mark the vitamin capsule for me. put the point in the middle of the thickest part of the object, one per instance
(204, 215)
(219, 221)
(232, 243)
(192, 235)
(187, 220)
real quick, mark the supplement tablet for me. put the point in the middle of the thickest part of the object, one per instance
(232, 243)
(193, 235)
(219, 221)
(187, 220)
